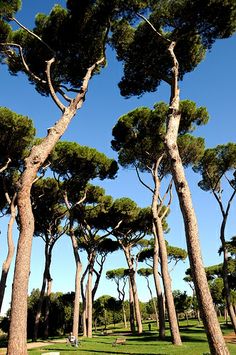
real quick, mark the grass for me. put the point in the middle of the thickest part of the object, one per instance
(193, 337)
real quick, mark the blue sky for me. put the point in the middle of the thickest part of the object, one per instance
(212, 85)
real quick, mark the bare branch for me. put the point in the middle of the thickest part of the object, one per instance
(51, 89)
(78, 101)
(5, 166)
(142, 182)
(153, 28)
(27, 69)
(32, 34)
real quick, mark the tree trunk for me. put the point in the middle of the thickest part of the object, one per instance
(42, 292)
(47, 308)
(7, 263)
(134, 289)
(215, 338)
(90, 302)
(17, 343)
(174, 328)
(131, 309)
(124, 315)
(225, 272)
(160, 300)
(153, 302)
(159, 235)
(78, 266)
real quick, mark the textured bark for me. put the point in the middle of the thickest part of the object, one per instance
(225, 275)
(160, 300)
(89, 303)
(131, 309)
(47, 308)
(78, 264)
(124, 315)
(17, 343)
(215, 338)
(174, 328)
(153, 302)
(7, 263)
(161, 245)
(134, 290)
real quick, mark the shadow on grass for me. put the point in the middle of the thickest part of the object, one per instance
(121, 352)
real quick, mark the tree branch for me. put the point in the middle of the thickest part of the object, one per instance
(5, 166)
(51, 89)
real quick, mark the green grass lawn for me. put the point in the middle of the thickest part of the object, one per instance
(193, 337)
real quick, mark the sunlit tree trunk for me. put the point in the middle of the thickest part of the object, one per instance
(159, 235)
(47, 307)
(7, 263)
(17, 343)
(131, 308)
(78, 265)
(134, 289)
(160, 299)
(215, 338)
(89, 302)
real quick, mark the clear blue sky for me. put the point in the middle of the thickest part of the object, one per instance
(212, 85)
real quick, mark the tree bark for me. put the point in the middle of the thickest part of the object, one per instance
(124, 315)
(47, 307)
(153, 302)
(78, 265)
(174, 328)
(43, 288)
(215, 338)
(134, 290)
(7, 263)
(90, 302)
(160, 300)
(17, 343)
(159, 238)
(131, 309)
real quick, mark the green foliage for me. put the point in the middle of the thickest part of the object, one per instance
(47, 208)
(139, 136)
(193, 25)
(146, 272)
(8, 7)
(215, 163)
(16, 135)
(182, 301)
(174, 253)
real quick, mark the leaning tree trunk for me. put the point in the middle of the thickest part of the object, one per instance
(75, 329)
(17, 343)
(215, 338)
(134, 290)
(124, 315)
(159, 235)
(7, 263)
(160, 299)
(174, 328)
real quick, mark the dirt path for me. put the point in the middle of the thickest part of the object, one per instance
(37, 344)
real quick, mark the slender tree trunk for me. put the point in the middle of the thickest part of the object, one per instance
(124, 315)
(135, 291)
(84, 299)
(42, 292)
(225, 272)
(174, 328)
(153, 302)
(159, 234)
(7, 263)
(47, 308)
(160, 300)
(90, 302)
(131, 308)
(78, 271)
(17, 343)
(215, 338)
